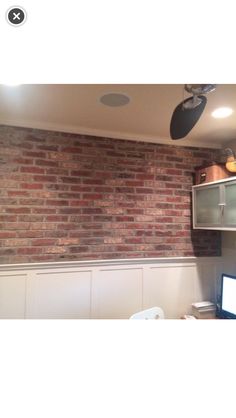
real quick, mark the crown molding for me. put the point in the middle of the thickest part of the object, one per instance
(81, 130)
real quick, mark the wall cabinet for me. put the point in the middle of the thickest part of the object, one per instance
(214, 205)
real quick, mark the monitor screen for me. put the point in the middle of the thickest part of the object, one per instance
(228, 296)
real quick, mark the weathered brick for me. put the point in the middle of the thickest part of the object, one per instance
(16, 242)
(33, 186)
(54, 250)
(68, 241)
(113, 240)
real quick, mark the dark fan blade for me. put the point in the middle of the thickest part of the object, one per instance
(183, 120)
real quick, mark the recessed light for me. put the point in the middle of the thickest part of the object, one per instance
(222, 112)
(114, 99)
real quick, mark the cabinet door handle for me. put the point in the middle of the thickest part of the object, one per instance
(222, 207)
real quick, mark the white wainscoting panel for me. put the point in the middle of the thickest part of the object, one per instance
(12, 295)
(59, 294)
(117, 293)
(103, 289)
(170, 287)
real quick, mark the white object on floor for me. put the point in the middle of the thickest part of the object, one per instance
(189, 317)
(152, 313)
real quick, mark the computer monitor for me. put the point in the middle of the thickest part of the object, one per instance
(228, 297)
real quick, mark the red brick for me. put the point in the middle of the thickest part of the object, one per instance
(36, 154)
(17, 193)
(32, 169)
(68, 195)
(30, 218)
(29, 251)
(23, 161)
(31, 202)
(174, 171)
(7, 234)
(103, 189)
(30, 234)
(69, 211)
(92, 210)
(46, 163)
(48, 147)
(57, 202)
(82, 203)
(51, 179)
(80, 188)
(93, 181)
(8, 218)
(43, 210)
(144, 190)
(66, 226)
(92, 196)
(72, 150)
(134, 240)
(70, 180)
(34, 186)
(81, 173)
(56, 218)
(79, 249)
(145, 176)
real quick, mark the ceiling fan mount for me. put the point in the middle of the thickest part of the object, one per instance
(197, 89)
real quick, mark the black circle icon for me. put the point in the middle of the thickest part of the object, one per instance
(16, 16)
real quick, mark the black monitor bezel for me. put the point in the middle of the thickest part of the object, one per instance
(223, 313)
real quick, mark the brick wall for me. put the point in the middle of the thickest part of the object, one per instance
(72, 197)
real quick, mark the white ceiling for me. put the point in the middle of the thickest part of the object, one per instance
(76, 108)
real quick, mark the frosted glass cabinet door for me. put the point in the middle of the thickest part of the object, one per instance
(207, 209)
(230, 205)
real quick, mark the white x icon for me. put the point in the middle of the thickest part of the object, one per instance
(16, 16)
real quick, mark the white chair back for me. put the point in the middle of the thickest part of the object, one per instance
(152, 313)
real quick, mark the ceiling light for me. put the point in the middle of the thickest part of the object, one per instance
(114, 99)
(222, 112)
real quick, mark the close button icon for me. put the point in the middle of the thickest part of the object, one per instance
(16, 16)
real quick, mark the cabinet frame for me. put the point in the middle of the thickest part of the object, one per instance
(221, 185)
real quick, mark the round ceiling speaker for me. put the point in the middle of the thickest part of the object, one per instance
(114, 99)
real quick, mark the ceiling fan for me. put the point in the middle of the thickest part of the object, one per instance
(188, 112)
